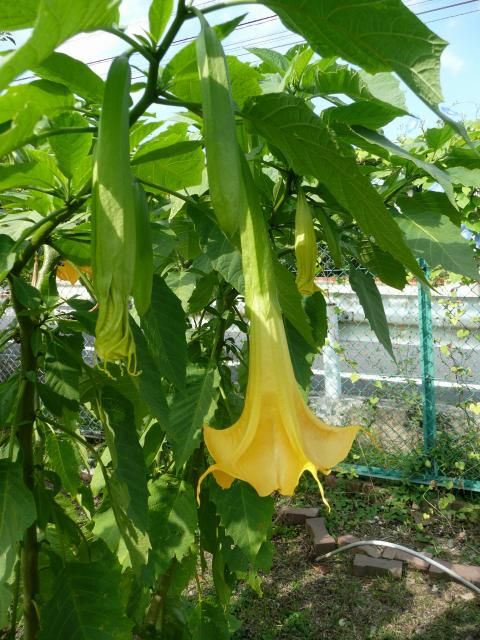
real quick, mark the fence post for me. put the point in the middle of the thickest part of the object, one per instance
(331, 361)
(428, 371)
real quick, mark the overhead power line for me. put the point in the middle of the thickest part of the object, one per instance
(286, 33)
(448, 6)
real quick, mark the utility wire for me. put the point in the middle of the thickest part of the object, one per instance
(447, 6)
(233, 46)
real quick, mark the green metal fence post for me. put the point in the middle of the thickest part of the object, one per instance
(428, 371)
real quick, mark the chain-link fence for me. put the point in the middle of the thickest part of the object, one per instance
(421, 411)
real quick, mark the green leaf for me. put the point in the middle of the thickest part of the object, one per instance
(386, 37)
(464, 176)
(310, 149)
(127, 455)
(26, 174)
(72, 148)
(164, 328)
(332, 236)
(18, 15)
(440, 176)
(149, 380)
(55, 23)
(301, 355)
(291, 301)
(27, 295)
(86, 604)
(435, 238)
(273, 61)
(244, 80)
(173, 520)
(191, 409)
(74, 74)
(63, 460)
(381, 264)
(203, 293)
(7, 256)
(173, 172)
(63, 364)
(364, 286)
(73, 244)
(223, 255)
(208, 620)
(17, 506)
(23, 106)
(8, 394)
(181, 73)
(158, 16)
(316, 308)
(246, 516)
(325, 77)
(371, 114)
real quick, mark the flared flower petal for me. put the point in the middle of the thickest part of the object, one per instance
(277, 437)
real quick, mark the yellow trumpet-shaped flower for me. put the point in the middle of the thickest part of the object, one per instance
(277, 437)
(305, 247)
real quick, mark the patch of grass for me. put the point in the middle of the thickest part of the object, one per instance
(303, 600)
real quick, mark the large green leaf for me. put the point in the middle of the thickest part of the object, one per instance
(56, 21)
(22, 106)
(74, 74)
(164, 328)
(149, 379)
(191, 409)
(17, 506)
(64, 460)
(369, 296)
(223, 255)
(435, 238)
(173, 520)
(70, 149)
(63, 363)
(372, 114)
(310, 149)
(158, 16)
(86, 604)
(380, 36)
(246, 516)
(18, 15)
(326, 78)
(25, 174)
(440, 176)
(127, 455)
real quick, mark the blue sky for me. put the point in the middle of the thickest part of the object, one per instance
(460, 61)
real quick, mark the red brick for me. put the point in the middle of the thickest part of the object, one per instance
(365, 566)
(322, 541)
(297, 515)
(467, 571)
(346, 539)
(389, 553)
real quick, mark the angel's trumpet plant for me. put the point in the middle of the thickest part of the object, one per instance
(277, 437)
(305, 247)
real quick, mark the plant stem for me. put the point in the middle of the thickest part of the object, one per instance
(16, 594)
(25, 420)
(150, 94)
(155, 608)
